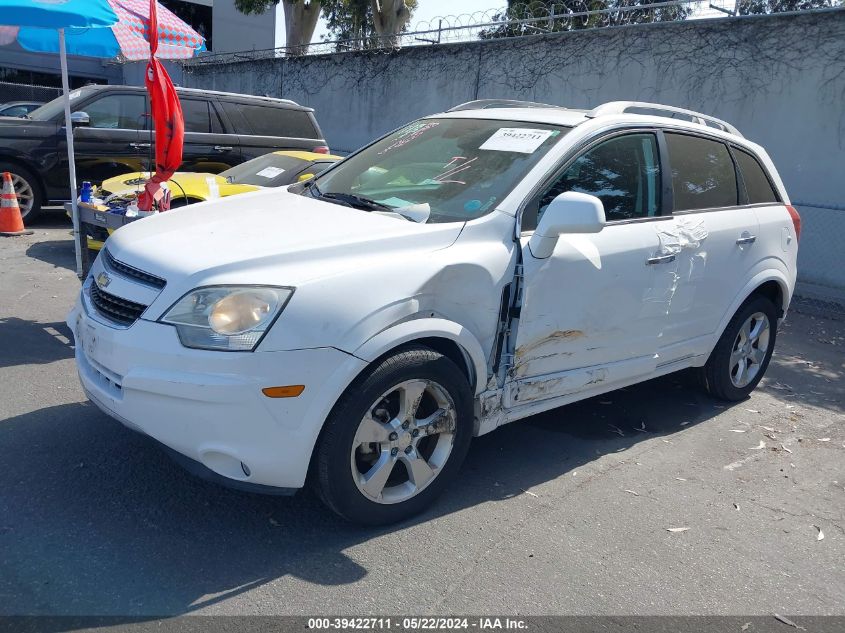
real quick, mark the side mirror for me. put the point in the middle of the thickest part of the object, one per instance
(570, 212)
(304, 177)
(79, 118)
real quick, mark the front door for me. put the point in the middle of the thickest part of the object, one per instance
(593, 313)
(116, 140)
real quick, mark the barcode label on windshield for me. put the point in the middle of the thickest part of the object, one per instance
(516, 139)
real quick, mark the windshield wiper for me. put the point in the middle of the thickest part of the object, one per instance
(356, 202)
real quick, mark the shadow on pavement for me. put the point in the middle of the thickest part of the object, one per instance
(95, 519)
(26, 342)
(59, 253)
(807, 367)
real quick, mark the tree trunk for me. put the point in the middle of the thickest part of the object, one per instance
(300, 21)
(389, 18)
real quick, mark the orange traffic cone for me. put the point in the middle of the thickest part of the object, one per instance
(11, 222)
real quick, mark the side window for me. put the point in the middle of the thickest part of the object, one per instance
(757, 185)
(623, 172)
(196, 114)
(118, 112)
(703, 174)
(272, 121)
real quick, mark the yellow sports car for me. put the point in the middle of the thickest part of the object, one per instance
(271, 170)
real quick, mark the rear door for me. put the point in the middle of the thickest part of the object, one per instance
(266, 127)
(776, 237)
(207, 147)
(715, 236)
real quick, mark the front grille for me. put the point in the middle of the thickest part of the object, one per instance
(118, 310)
(133, 273)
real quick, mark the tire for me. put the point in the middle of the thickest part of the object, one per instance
(724, 376)
(365, 457)
(28, 189)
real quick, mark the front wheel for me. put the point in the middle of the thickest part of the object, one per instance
(26, 189)
(741, 356)
(395, 439)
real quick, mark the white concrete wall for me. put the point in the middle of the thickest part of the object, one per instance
(779, 79)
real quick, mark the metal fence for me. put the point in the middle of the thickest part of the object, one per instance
(531, 18)
(25, 92)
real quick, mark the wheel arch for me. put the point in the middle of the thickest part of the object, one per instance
(446, 337)
(771, 284)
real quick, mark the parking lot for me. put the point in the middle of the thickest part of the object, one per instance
(568, 512)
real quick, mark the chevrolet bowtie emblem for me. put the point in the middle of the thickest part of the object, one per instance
(103, 280)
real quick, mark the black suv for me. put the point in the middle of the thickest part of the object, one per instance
(112, 136)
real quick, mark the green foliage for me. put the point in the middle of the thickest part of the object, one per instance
(754, 7)
(351, 21)
(570, 20)
(254, 7)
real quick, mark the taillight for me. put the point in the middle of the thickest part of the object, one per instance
(321, 149)
(796, 220)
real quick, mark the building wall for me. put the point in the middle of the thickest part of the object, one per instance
(14, 57)
(779, 79)
(234, 31)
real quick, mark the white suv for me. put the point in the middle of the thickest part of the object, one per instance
(465, 271)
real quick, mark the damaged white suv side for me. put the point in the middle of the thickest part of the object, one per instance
(465, 271)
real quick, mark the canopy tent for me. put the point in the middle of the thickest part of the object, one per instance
(94, 28)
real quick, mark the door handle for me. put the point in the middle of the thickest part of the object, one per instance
(222, 148)
(747, 239)
(661, 259)
(139, 145)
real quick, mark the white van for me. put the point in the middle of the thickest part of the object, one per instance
(465, 271)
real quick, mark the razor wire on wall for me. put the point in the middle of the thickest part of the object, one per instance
(531, 18)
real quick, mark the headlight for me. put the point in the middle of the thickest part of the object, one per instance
(231, 318)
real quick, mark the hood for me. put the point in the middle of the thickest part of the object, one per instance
(246, 238)
(15, 127)
(193, 185)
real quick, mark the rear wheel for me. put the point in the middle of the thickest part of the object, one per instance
(741, 357)
(27, 190)
(395, 439)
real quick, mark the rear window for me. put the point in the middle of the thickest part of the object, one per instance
(263, 120)
(703, 174)
(757, 185)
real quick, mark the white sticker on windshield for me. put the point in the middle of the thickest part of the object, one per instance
(516, 139)
(270, 172)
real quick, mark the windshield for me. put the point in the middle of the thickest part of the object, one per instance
(55, 108)
(439, 170)
(270, 170)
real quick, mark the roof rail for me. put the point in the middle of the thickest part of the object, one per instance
(486, 104)
(619, 107)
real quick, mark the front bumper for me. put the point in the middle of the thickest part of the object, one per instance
(208, 406)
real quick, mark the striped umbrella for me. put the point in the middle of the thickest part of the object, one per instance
(127, 39)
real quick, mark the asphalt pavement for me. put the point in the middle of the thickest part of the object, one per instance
(568, 512)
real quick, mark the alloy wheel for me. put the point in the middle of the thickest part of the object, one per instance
(24, 193)
(404, 441)
(749, 349)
